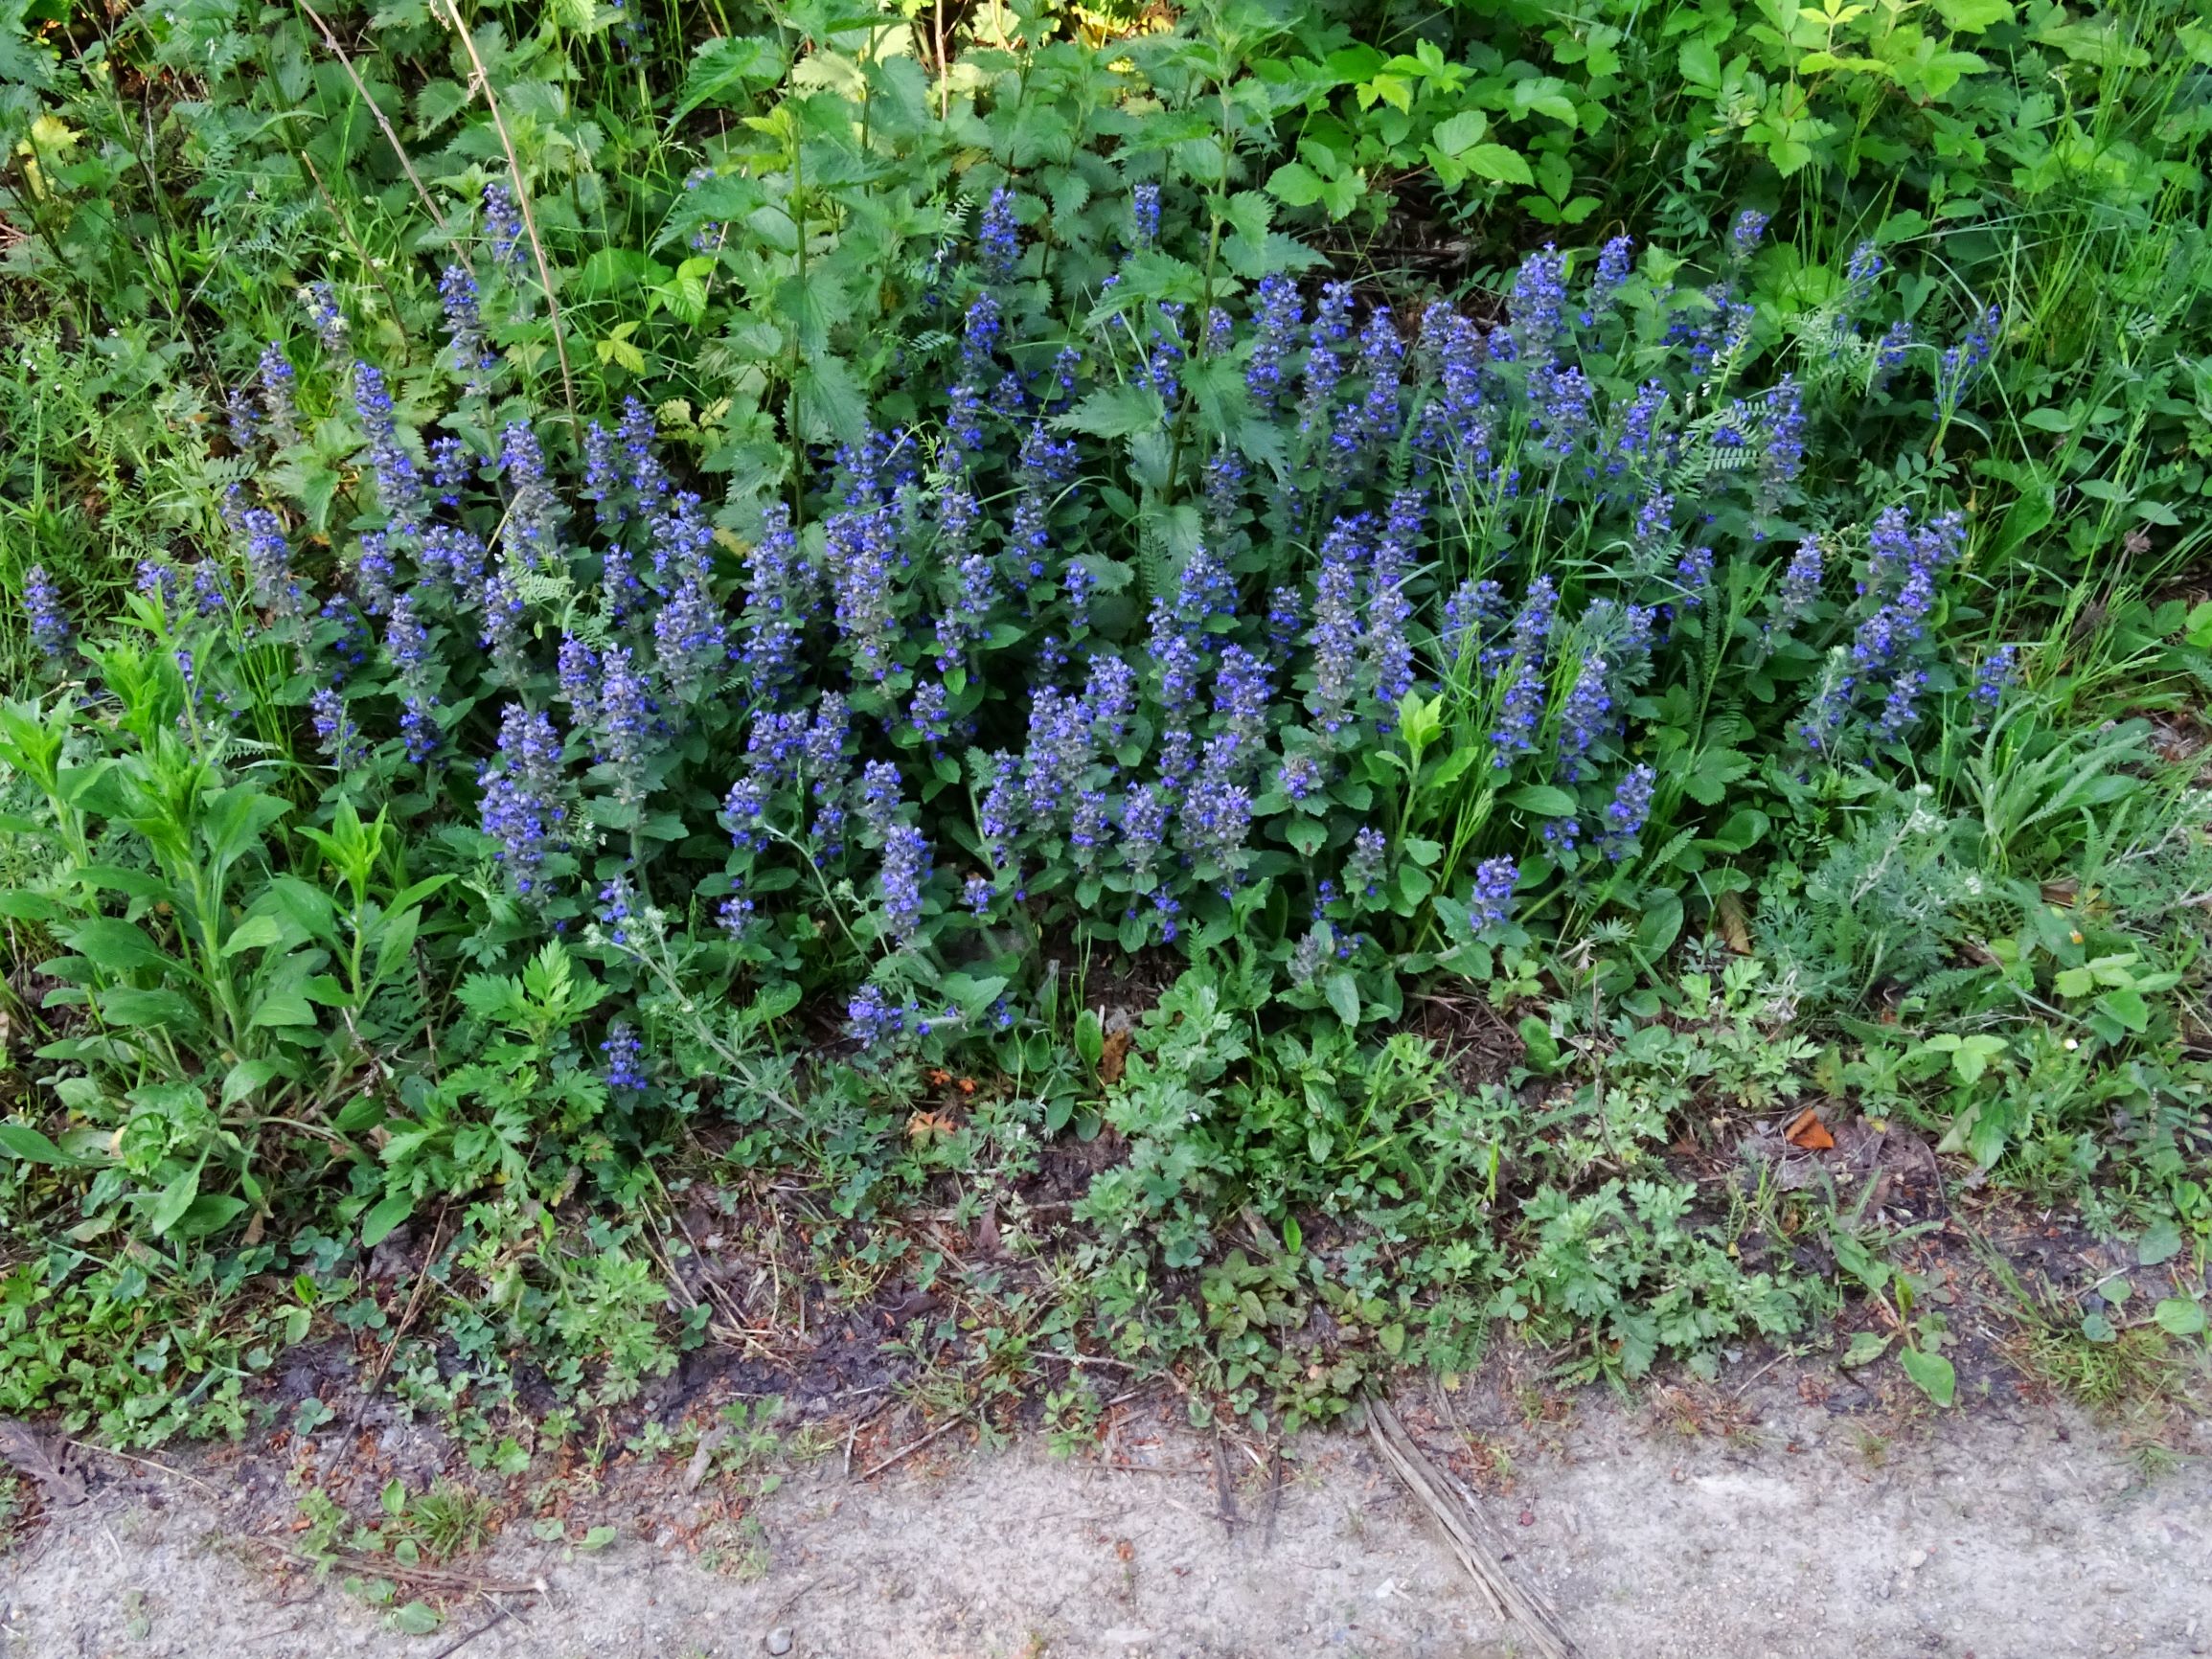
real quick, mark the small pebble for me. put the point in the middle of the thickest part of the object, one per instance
(779, 1640)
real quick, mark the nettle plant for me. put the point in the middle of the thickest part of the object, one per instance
(1224, 610)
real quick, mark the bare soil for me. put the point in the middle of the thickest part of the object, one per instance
(1792, 1513)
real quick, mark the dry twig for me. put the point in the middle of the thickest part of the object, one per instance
(1462, 1523)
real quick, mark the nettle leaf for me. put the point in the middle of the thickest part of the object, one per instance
(828, 402)
(726, 73)
(1117, 412)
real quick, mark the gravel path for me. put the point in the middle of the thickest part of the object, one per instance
(2004, 1533)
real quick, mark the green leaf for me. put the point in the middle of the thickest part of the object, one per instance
(2128, 1007)
(167, 1210)
(1932, 1372)
(1118, 412)
(1296, 184)
(1343, 993)
(2179, 1316)
(378, 1225)
(414, 1619)
(1744, 829)
(1459, 133)
(208, 1214)
(1544, 800)
(26, 906)
(2161, 1241)
(21, 1141)
(1543, 1047)
(166, 1008)
(829, 401)
(254, 933)
(236, 818)
(726, 72)
(1973, 17)
(118, 947)
(247, 1079)
(1090, 1036)
(1866, 1347)
(1498, 163)
(1659, 926)
(284, 1005)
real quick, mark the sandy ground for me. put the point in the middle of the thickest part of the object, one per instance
(2010, 1532)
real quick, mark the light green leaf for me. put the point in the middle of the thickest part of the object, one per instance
(1866, 1347)
(2179, 1316)
(21, 1141)
(1544, 800)
(254, 933)
(376, 1226)
(1459, 133)
(1343, 993)
(1117, 412)
(1933, 1372)
(2161, 1241)
(1498, 163)
(167, 1210)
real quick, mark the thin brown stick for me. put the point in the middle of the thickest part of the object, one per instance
(1460, 1522)
(406, 1319)
(483, 80)
(391, 137)
(86, 1445)
(907, 1451)
(461, 1641)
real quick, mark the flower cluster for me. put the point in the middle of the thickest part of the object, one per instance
(957, 685)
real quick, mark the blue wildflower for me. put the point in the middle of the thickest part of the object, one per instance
(49, 621)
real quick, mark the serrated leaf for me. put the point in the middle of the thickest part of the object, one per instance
(830, 404)
(1459, 133)
(1117, 412)
(1498, 163)
(725, 72)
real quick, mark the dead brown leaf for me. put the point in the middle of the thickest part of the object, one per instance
(1734, 928)
(1113, 1057)
(1809, 1134)
(45, 1459)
